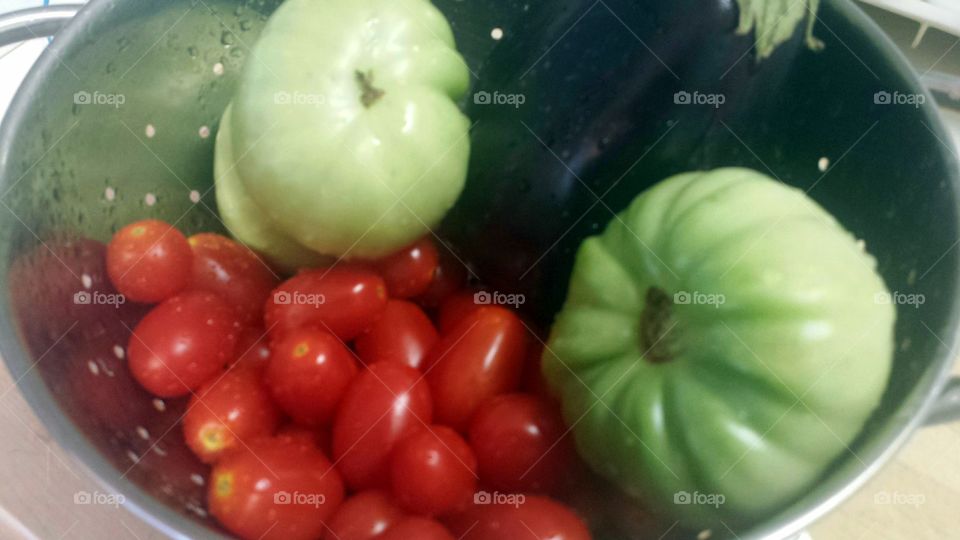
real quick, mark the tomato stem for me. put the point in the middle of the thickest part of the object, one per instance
(369, 94)
(655, 325)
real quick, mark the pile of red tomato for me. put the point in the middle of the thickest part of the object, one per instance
(331, 406)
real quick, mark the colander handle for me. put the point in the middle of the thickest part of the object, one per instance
(33, 23)
(947, 407)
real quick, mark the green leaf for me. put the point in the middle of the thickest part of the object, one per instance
(774, 21)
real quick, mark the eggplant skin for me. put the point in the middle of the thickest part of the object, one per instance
(602, 118)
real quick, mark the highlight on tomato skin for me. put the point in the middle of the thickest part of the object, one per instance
(307, 374)
(403, 334)
(182, 343)
(149, 261)
(433, 471)
(234, 272)
(275, 489)
(521, 444)
(410, 271)
(228, 412)
(481, 357)
(343, 300)
(449, 277)
(418, 527)
(363, 516)
(385, 402)
(252, 350)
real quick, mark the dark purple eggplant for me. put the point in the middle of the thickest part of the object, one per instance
(583, 105)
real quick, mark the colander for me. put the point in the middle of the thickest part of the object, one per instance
(116, 122)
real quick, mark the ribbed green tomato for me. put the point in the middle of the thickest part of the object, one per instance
(244, 219)
(346, 127)
(720, 346)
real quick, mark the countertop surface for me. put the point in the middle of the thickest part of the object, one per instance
(916, 496)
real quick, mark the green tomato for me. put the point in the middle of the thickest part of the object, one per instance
(721, 344)
(352, 141)
(244, 219)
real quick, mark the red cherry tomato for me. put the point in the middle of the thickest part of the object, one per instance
(252, 349)
(228, 412)
(418, 528)
(343, 300)
(231, 270)
(456, 307)
(449, 277)
(403, 334)
(531, 516)
(383, 403)
(433, 471)
(182, 343)
(308, 373)
(520, 443)
(319, 438)
(364, 516)
(481, 357)
(149, 261)
(408, 272)
(277, 489)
